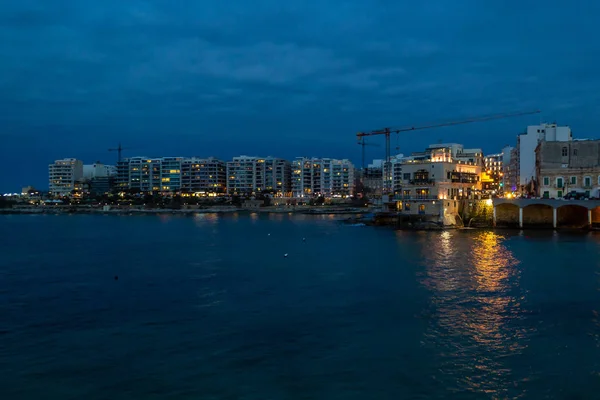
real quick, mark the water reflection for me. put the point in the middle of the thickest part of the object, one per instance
(206, 219)
(474, 300)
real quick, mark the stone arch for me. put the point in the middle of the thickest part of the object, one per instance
(507, 215)
(574, 216)
(596, 217)
(538, 216)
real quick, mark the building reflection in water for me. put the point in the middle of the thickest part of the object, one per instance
(474, 303)
(202, 219)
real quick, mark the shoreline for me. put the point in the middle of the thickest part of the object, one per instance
(158, 211)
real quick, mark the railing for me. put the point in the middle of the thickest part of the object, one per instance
(399, 197)
(422, 181)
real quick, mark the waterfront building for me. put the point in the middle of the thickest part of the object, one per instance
(63, 175)
(139, 174)
(145, 174)
(492, 174)
(527, 143)
(568, 166)
(327, 177)
(251, 175)
(203, 176)
(170, 174)
(431, 182)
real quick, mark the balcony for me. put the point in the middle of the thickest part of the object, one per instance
(422, 182)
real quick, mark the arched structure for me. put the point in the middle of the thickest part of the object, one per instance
(545, 212)
(573, 216)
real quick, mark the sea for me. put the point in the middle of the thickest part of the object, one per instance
(282, 306)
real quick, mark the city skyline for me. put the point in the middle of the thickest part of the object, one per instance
(284, 79)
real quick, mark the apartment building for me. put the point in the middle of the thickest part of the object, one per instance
(437, 173)
(141, 174)
(203, 176)
(170, 174)
(63, 175)
(492, 175)
(567, 167)
(327, 177)
(248, 175)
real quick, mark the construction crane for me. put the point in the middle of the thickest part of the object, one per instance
(363, 143)
(119, 150)
(388, 131)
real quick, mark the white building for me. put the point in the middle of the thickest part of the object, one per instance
(63, 174)
(527, 143)
(327, 177)
(98, 170)
(251, 175)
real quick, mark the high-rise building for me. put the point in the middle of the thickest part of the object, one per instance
(170, 174)
(509, 170)
(492, 174)
(63, 175)
(141, 174)
(249, 175)
(327, 177)
(278, 176)
(203, 176)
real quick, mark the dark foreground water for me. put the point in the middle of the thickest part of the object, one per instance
(209, 308)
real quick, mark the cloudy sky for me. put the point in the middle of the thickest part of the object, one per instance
(285, 78)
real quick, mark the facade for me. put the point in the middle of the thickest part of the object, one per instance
(98, 169)
(251, 175)
(567, 167)
(509, 170)
(171, 174)
(139, 174)
(527, 143)
(63, 175)
(492, 174)
(203, 176)
(372, 178)
(327, 177)
(278, 176)
(433, 180)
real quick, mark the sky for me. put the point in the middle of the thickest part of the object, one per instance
(283, 78)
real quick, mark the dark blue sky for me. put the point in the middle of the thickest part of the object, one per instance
(286, 78)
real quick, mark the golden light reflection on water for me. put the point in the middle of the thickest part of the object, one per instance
(474, 296)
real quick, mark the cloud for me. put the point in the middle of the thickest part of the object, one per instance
(299, 70)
